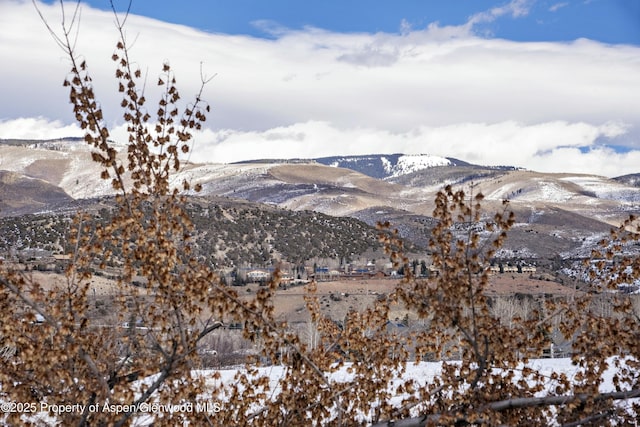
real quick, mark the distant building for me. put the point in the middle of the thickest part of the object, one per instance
(258, 276)
(502, 268)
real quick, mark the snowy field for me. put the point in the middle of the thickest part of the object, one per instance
(423, 373)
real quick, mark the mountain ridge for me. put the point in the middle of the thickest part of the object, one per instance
(382, 166)
(561, 214)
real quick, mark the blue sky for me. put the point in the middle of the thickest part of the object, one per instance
(609, 21)
(549, 85)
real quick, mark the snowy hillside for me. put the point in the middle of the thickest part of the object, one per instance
(531, 187)
(384, 166)
(603, 188)
(409, 164)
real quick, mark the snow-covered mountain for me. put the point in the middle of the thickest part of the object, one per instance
(383, 166)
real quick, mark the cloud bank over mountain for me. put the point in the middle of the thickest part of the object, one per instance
(448, 91)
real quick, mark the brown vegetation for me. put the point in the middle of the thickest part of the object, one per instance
(63, 356)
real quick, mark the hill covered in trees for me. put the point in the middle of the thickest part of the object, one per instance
(228, 233)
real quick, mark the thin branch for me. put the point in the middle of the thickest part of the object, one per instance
(589, 420)
(517, 403)
(531, 402)
(59, 41)
(126, 14)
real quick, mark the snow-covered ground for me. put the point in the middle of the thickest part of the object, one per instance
(603, 188)
(534, 190)
(584, 189)
(422, 373)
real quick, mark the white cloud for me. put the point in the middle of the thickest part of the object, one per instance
(38, 128)
(311, 92)
(557, 6)
(270, 27)
(546, 147)
(514, 9)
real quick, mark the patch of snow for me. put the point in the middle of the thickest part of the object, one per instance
(540, 190)
(412, 163)
(386, 164)
(604, 188)
(554, 193)
(515, 253)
